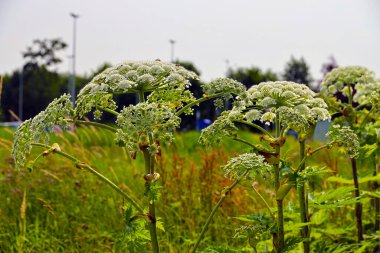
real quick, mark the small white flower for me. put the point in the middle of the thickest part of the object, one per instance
(268, 117)
(253, 115)
(267, 102)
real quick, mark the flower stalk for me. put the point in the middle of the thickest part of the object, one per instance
(280, 211)
(224, 194)
(302, 200)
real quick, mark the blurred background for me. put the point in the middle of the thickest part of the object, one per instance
(51, 47)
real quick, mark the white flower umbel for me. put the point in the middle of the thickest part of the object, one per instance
(166, 83)
(345, 137)
(246, 162)
(223, 126)
(136, 76)
(295, 104)
(353, 82)
(39, 127)
(226, 86)
(143, 123)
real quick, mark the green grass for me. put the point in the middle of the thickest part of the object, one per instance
(69, 210)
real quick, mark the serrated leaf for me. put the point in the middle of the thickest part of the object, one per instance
(350, 181)
(160, 225)
(369, 149)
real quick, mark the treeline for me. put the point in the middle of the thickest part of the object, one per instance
(41, 82)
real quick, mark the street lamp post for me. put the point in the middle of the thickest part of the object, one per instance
(72, 88)
(172, 42)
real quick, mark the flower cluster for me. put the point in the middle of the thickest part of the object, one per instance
(368, 94)
(166, 83)
(345, 137)
(251, 162)
(33, 130)
(223, 126)
(295, 104)
(344, 79)
(227, 87)
(99, 101)
(138, 122)
(135, 76)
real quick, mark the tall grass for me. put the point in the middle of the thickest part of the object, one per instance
(64, 209)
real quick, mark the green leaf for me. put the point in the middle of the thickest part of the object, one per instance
(334, 198)
(369, 149)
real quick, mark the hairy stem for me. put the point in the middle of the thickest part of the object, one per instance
(256, 126)
(264, 201)
(110, 111)
(244, 142)
(302, 198)
(225, 192)
(376, 200)
(141, 97)
(82, 165)
(280, 212)
(358, 205)
(302, 162)
(149, 169)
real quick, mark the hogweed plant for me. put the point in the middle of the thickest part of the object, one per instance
(162, 89)
(354, 95)
(286, 105)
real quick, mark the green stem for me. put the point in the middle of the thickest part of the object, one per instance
(255, 126)
(280, 212)
(302, 199)
(141, 96)
(149, 169)
(266, 203)
(244, 142)
(376, 200)
(90, 169)
(349, 95)
(95, 124)
(358, 205)
(311, 153)
(366, 118)
(225, 192)
(198, 101)
(109, 111)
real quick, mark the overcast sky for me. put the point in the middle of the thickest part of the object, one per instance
(246, 33)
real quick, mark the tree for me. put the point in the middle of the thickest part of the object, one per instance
(251, 76)
(328, 66)
(40, 85)
(44, 52)
(297, 71)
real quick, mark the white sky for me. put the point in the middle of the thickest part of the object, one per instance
(246, 32)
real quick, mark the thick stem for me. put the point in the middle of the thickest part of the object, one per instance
(93, 171)
(302, 198)
(358, 205)
(350, 95)
(377, 200)
(280, 212)
(110, 111)
(141, 97)
(149, 169)
(225, 192)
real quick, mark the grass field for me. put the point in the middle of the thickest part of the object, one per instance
(59, 208)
